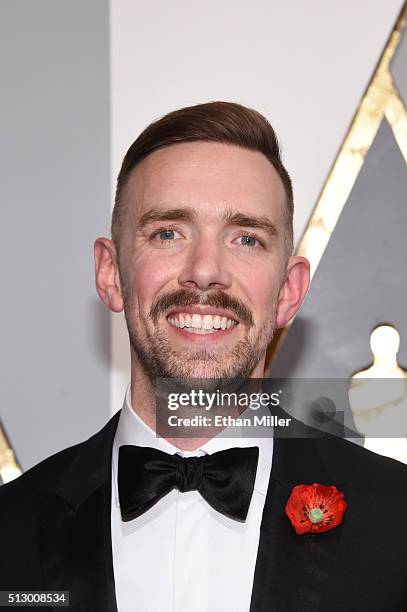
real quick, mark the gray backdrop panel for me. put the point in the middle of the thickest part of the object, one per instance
(55, 190)
(361, 279)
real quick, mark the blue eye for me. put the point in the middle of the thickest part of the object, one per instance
(248, 241)
(164, 235)
(167, 234)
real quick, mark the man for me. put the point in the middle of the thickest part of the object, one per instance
(200, 261)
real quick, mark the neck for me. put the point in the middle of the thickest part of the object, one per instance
(143, 402)
(387, 364)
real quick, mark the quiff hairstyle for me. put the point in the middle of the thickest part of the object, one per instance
(222, 122)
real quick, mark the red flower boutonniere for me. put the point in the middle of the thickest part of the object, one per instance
(315, 508)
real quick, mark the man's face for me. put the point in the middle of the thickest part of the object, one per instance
(202, 260)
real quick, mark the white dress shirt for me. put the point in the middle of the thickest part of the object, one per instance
(182, 555)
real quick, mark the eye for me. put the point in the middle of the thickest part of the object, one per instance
(247, 240)
(166, 234)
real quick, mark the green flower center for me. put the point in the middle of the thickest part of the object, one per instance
(315, 515)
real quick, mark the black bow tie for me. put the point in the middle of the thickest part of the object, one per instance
(224, 479)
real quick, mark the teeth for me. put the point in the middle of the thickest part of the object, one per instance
(207, 322)
(202, 332)
(204, 323)
(216, 322)
(196, 321)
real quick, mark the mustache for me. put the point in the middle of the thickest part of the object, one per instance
(217, 299)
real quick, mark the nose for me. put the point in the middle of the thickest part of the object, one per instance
(205, 268)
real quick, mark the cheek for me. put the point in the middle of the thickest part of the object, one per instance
(261, 288)
(149, 280)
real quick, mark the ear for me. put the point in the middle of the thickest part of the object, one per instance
(293, 290)
(107, 274)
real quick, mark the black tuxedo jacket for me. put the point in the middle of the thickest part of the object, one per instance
(55, 530)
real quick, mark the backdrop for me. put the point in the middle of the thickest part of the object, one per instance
(80, 80)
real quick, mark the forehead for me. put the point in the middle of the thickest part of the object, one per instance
(207, 176)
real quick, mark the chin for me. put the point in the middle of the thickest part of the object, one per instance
(216, 370)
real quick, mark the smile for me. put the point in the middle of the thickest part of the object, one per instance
(200, 324)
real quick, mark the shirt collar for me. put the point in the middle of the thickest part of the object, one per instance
(133, 430)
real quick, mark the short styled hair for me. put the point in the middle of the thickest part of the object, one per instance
(222, 122)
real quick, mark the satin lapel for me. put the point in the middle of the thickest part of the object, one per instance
(74, 528)
(292, 570)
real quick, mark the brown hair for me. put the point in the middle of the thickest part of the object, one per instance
(223, 122)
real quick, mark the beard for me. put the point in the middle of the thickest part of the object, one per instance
(160, 358)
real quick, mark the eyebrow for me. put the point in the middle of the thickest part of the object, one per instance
(171, 214)
(258, 222)
(190, 214)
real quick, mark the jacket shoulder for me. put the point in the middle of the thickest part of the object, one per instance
(44, 475)
(377, 473)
